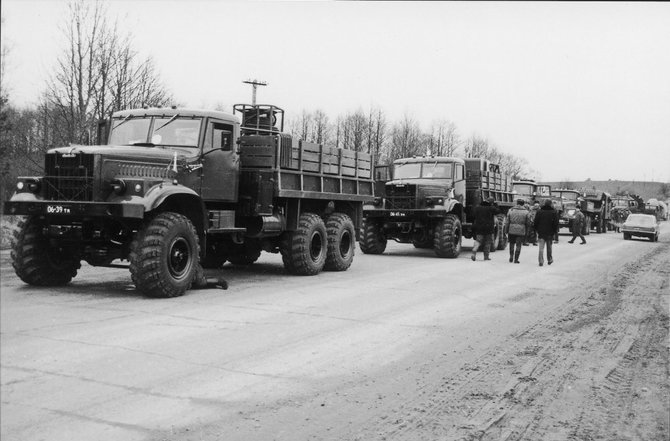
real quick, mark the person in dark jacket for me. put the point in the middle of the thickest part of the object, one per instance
(517, 224)
(577, 225)
(546, 226)
(483, 227)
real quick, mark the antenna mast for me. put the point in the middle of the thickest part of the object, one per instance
(254, 85)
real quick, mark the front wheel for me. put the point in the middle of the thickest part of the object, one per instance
(341, 242)
(372, 240)
(304, 250)
(164, 256)
(448, 237)
(36, 261)
(626, 236)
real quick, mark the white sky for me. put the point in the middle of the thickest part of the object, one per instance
(581, 90)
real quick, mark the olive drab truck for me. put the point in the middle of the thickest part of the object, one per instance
(571, 199)
(176, 190)
(429, 203)
(601, 214)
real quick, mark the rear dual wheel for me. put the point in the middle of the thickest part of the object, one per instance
(304, 250)
(341, 242)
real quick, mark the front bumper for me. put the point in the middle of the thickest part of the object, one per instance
(79, 209)
(404, 214)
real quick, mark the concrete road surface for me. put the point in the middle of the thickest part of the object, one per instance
(401, 346)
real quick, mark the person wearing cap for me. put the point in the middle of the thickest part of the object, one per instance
(546, 226)
(517, 226)
(483, 227)
(577, 225)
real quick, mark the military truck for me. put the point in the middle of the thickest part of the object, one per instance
(601, 213)
(429, 203)
(175, 189)
(570, 200)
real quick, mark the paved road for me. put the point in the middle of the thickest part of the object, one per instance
(275, 356)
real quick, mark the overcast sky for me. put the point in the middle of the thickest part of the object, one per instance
(581, 90)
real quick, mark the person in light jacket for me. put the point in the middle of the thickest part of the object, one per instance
(517, 223)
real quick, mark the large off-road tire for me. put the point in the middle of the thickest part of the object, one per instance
(599, 227)
(36, 261)
(341, 242)
(245, 254)
(626, 236)
(502, 237)
(372, 239)
(448, 237)
(304, 250)
(164, 256)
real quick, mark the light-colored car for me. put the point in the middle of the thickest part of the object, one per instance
(644, 225)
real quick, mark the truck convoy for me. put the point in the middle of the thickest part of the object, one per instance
(177, 188)
(429, 203)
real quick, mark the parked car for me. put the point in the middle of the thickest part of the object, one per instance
(644, 225)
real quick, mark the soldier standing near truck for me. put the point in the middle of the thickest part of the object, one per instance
(484, 226)
(577, 225)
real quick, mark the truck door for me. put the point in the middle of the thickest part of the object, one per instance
(459, 183)
(221, 163)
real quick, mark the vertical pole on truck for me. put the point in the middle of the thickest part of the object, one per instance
(254, 85)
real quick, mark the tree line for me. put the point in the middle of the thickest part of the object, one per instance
(99, 72)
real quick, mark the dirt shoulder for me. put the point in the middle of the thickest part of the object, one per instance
(597, 371)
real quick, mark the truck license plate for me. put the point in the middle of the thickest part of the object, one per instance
(398, 214)
(58, 209)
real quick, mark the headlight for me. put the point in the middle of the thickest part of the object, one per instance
(118, 186)
(378, 202)
(32, 185)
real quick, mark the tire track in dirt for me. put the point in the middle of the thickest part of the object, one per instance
(597, 371)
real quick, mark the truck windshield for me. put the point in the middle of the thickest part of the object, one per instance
(167, 131)
(415, 170)
(523, 188)
(569, 196)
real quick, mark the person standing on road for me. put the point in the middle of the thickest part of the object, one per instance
(546, 226)
(532, 236)
(577, 225)
(517, 224)
(483, 227)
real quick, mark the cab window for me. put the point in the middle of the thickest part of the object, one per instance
(459, 172)
(219, 137)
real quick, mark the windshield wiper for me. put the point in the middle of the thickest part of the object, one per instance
(123, 121)
(167, 122)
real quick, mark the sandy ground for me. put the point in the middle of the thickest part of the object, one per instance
(403, 346)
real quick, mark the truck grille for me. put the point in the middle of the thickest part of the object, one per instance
(401, 197)
(69, 177)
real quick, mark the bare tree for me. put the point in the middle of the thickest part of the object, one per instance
(96, 74)
(405, 139)
(320, 127)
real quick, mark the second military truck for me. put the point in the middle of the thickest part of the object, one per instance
(429, 203)
(175, 189)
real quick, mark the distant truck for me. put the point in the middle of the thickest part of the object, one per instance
(530, 191)
(178, 189)
(570, 200)
(429, 203)
(601, 213)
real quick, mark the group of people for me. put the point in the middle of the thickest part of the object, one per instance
(537, 224)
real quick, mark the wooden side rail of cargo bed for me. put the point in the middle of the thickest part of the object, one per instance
(305, 169)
